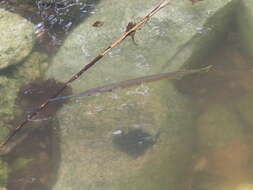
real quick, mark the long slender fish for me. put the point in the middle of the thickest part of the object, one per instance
(133, 82)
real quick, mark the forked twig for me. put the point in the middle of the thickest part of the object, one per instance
(86, 67)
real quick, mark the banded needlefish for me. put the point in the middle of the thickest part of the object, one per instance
(133, 82)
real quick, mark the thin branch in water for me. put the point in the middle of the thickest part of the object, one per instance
(133, 82)
(85, 68)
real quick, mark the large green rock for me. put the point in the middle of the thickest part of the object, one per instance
(149, 153)
(16, 38)
(164, 44)
(245, 24)
(139, 137)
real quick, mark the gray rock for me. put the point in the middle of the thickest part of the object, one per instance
(245, 24)
(154, 145)
(16, 38)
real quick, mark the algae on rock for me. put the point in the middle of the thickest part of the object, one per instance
(16, 38)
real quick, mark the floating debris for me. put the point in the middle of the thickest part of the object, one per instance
(98, 24)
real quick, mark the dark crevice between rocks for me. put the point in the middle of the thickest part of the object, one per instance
(35, 156)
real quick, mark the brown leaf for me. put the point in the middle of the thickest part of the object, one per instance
(98, 24)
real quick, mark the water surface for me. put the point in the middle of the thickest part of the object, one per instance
(222, 155)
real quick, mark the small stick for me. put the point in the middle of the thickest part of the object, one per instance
(132, 82)
(86, 67)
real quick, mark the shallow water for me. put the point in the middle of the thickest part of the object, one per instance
(215, 158)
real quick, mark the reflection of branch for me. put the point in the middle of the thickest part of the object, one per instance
(86, 67)
(132, 82)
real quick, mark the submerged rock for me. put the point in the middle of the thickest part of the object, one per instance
(91, 157)
(16, 38)
(136, 158)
